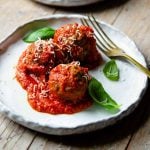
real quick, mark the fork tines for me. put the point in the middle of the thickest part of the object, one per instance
(105, 44)
(103, 41)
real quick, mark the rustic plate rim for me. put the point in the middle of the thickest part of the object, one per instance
(78, 129)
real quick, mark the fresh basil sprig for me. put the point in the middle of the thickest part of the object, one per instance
(111, 70)
(43, 33)
(100, 96)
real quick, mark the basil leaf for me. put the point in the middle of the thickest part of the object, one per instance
(111, 70)
(43, 33)
(100, 96)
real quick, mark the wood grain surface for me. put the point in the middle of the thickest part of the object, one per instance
(133, 131)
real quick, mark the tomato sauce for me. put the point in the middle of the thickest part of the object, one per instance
(37, 61)
(40, 98)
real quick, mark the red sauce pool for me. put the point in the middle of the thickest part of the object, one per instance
(40, 98)
(34, 75)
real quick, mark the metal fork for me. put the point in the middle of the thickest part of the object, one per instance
(108, 47)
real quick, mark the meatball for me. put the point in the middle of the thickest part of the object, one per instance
(69, 81)
(37, 56)
(71, 42)
(80, 42)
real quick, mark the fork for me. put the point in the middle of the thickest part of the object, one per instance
(108, 47)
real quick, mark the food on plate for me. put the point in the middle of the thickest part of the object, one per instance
(71, 42)
(65, 92)
(69, 81)
(49, 70)
(79, 41)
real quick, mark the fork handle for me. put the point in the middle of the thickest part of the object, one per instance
(137, 64)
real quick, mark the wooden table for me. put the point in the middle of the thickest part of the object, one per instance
(132, 132)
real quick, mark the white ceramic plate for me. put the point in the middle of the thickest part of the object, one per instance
(13, 99)
(67, 3)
